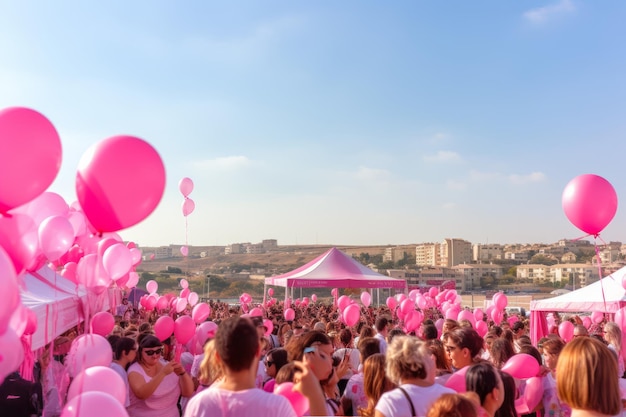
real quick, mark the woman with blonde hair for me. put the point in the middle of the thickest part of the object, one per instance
(375, 382)
(411, 367)
(613, 336)
(587, 379)
(210, 368)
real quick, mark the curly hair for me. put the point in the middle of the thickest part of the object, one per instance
(408, 357)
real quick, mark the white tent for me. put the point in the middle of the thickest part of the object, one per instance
(606, 296)
(59, 304)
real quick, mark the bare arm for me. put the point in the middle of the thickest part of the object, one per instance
(143, 389)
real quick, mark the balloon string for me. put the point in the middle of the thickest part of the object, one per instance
(599, 262)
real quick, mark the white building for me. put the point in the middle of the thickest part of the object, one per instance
(474, 272)
(454, 252)
(486, 253)
(427, 254)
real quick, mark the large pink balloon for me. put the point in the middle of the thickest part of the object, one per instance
(201, 312)
(152, 286)
(94, 403)
(185, 186)
(457, 380)
(351, 314)
(521, 366)
(205, 331)
(589, 202)
(533, 393)
(289, 314)
(12, 352)
(188, 206)
(566, 330)
(343, 302)
(117, 261)
(20, 240)
(119, 182)
(184, 329)
(88, 350)
(98, 378)
(164, 327)
(366, 298)
(391, 303)
(30, 156)
(56, 237)
(102, 323)
(299, 402)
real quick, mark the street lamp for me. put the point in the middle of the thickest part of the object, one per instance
(208, 288)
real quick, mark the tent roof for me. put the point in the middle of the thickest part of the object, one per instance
(334, 269)
(55, 300)
(607, 291)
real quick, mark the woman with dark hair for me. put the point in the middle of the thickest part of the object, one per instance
(375, 382)
(507, 409)
(442, 363)
(274, 360)
(453, 405)
(349, 355)
(156, 385)
(484, 379)
(124, 354)
(500, 351)
(463, 345)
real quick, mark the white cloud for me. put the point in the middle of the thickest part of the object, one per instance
(543, 14)
(528, 178)
(372, 174)
(478, 176)
(456, 185)
(443, 156)
(226, 163)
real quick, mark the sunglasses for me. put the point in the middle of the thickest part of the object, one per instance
(336, 361)
(153, 352)
(268, 363)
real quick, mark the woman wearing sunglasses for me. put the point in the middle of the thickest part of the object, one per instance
(156, 385)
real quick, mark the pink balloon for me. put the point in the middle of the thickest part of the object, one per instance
(478, 314)
(589, 202)
(391, 303)
(299, 402)
(521, 366)
(152, 286)
(135, 256)
(269, 325)
(12, 352)
(185, 293)
(533, 393)
(457, 380)
(94, 403)
(69, 271)
(270, 292)
(290, 314)
(10, 290)
(162, 303)
(313, 298)
(245, 298)
(56, 237)
(19, 320)
(481, 328)
(256, 312)
(413, 320)
(597, 317)
(46, 204)
(31, 322)
(102, 323)
(566, 330)
(587, 321)
(117, 261)
(497, 316)
(20, 240)
(439, 325)
(184, 283)
(351, 314)
(92, 275)
(30, 158)
(192, 299)
(406, 305)
(433, 291)
(185, 186)
(334, 292)
(184, 250)
(500, 300)
(133, 279)
(119, 182)
(343, 302)
(620, 318)
(201, 312)
(88, 350)
(101, 379)
(164, 327)
(184, 329)
(181, 305)
(188, 206)
(366, 298)
(512, 319)
(205, 331)
(78, 221)
(467, 315)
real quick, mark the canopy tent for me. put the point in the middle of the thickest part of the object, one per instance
(59, 304)
(606, 296)
(334, 268)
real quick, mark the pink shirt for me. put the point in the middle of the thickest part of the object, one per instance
(163, 401)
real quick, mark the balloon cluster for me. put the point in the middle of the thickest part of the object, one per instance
(185, 186)
(119, 182)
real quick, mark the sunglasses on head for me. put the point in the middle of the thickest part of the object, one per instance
(336, 361)
(269, 363)
(154, 351)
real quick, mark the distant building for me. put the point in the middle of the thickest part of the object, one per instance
(235, 248)
(395, 253)
(454, 252)
(163, 252)
(428, 254)
(520, 256)
(254, 248)
(568, 258)
(580, 274)
(574, 244)
(474, 272)
(269, 244)
(430, 277)
(534, 272)
(486, 253)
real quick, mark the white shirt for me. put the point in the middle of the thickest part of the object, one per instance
(216, 402)
(122, 372)
(383, 343)
(395, 404)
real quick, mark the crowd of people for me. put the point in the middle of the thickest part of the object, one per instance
(316, 365)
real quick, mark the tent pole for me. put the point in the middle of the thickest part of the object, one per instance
(264, 292)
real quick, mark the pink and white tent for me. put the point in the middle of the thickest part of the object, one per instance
(606, 296)
(334, 269)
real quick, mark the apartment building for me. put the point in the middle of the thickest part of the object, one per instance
(474, 272)
(454, 252)
(163, 252)
(534, 272)
(396, 253)
(428, 254)
(486, 253)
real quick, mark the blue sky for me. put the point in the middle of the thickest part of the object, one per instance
(352, 122)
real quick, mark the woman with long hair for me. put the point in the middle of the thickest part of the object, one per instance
(587, 379)
(375, 382)
(500, 351)
(613, 336)
(484, 379)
